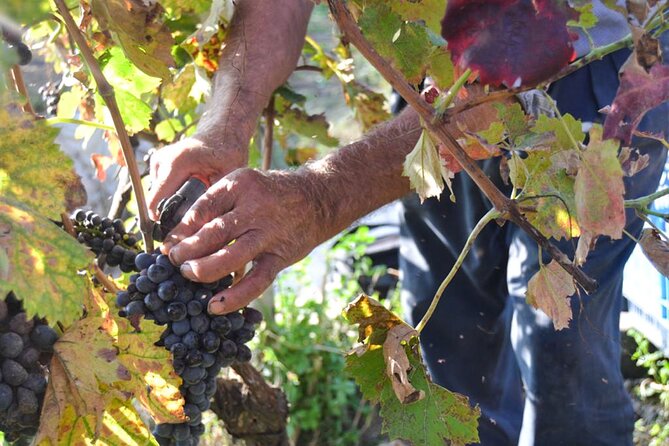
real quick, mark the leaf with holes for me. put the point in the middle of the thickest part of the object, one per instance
(512, 42)
(389, 370)
(656, 249)
(549, 290)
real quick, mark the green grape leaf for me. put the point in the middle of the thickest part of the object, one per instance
(181, 7)
(407, 45)
(295, 120)
(599, 188)
(440, 68)
(153, 380)
(43, 264)
(125, 76)
(390, 358)
(549, 290)
(135, 25)
(33, 170)
(186, 90)
(368, 105)
(431, 11)
(24, 11)
(566, 130)
(425, 169)
(515, 120)
(136, 113)
(586, 17)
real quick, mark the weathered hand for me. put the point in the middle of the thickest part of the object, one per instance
(172, 165)
(274, 219)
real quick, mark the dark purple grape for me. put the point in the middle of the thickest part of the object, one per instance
(185, 295)
(194, 308)
(135, 308)
(200, 323)
(177, 311)
(122, 299)
(197, 389)
(79, 215)
(227, 349)
(145, 285)
(172, 339)
(236, 320)
(28, 358)
(35, 382)
(143, 261)
(163, 430)
(168, 291)
(6, 396)
(27, 401)
(21, 324)
(43, 337)
(161, 317)
(163, 260)
(193, 375)
(210, 388)
(181, 432)
(157, 273)
(252, 315)
(221, 325)
(242, 335)
(11, 345)
(13, 373)
(204, 405)
(152, 301)
(191, 340)
(179, 350)
(194, 358)
(181, 327)
(243, 353)
(210, 342)
(208, 360)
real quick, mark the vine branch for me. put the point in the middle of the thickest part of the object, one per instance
(107, 92)
(20, 86)
(268, 137)
(506, 207)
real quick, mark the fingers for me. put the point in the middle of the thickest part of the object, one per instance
(218, 200)
(224, 261)
(209, 239)
(258, 279)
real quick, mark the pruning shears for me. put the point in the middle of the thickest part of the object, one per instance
(173, 209)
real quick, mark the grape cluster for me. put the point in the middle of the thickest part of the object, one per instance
(50, 93)
(200, 343)
(26, 346)
(106, 238)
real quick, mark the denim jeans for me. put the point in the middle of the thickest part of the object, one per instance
(534, 385)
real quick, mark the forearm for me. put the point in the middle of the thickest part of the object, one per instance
(261, 50)
(364, 175)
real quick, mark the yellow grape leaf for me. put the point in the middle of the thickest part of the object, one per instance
(41, 264)
(431, 11)
(549, 290)
(83, 369)
(33, 170)
(425, 170)
(153, 380)
(599, 188)
(145, 40)
(389, 370)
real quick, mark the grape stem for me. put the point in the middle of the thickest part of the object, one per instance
(492, 214)
(20, 86)
(507, 208)
(107, 93)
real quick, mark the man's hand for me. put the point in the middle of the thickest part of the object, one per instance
(173, 165)
(274, 218)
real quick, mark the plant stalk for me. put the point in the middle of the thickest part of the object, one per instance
(492, 214)
(107, 93)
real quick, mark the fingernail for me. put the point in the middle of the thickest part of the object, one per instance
(187, 271)
(216, 305)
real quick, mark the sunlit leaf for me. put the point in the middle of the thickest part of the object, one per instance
(549, 290)
(431, 415)
(43, 264)
(33, 170)
(425, 169)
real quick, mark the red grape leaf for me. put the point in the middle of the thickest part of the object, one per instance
(599, 188)
(549, 290)
(515, 42)
(639, 92)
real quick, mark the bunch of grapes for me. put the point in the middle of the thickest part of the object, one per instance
(50, 93)
(200, 343)
(26, 347)
(106, 238)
